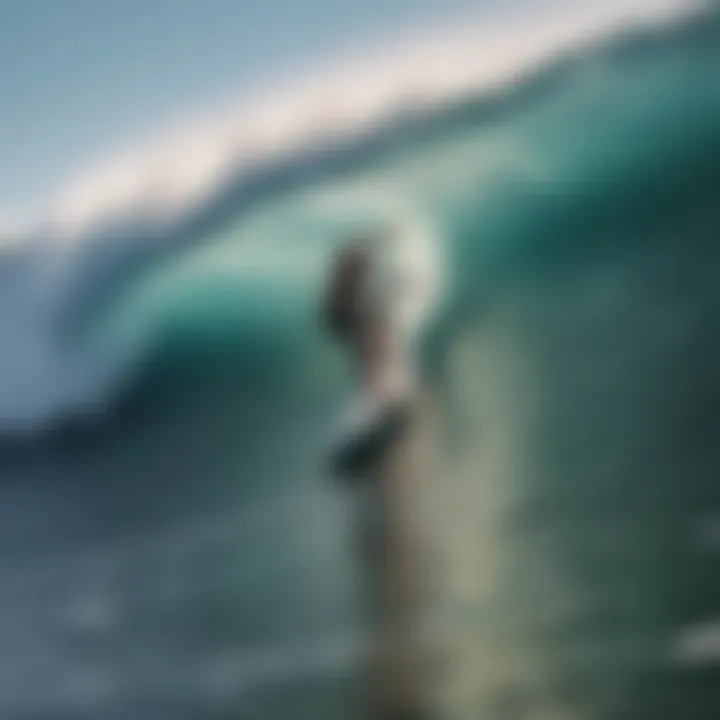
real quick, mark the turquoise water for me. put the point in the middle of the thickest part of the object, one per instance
(178, 551)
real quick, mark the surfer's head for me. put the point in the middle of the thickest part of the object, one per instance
(382, 280)
(346, 302)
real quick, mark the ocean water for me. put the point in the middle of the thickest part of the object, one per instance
(170, 544)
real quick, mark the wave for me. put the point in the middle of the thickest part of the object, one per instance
(170, 177)
(234, 217)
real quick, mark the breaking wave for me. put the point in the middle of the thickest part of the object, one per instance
(590, 126)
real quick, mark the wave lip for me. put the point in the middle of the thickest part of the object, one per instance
(188, 165)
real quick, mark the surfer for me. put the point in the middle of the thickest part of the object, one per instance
(379, 293)
(377, 299)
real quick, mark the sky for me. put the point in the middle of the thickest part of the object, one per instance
(80, 78)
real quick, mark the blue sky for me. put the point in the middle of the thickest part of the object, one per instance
(78, 78)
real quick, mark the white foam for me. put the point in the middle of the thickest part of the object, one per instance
(185, 166)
